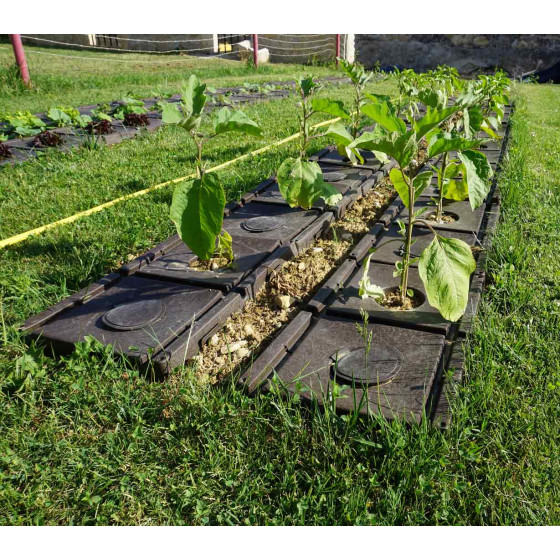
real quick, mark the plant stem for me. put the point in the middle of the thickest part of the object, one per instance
(356, 119)
(304, 127)
(408, 241)
(199, 144)
(441, 178)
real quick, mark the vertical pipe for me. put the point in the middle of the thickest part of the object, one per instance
(256, 50)
(20, 59)
(337, 48)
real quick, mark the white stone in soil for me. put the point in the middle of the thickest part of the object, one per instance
(284, 302)
(233, 347)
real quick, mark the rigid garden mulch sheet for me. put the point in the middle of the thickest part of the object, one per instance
(415, 358)
(161, 308)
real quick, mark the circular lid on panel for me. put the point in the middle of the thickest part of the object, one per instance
(132, 316)
(261, 224)
(379, 366)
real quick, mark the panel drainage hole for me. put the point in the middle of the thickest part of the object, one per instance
(132, 316)
(262, 223)
(333, 176)
(377, 367)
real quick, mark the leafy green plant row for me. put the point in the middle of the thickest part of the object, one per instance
(449, 129)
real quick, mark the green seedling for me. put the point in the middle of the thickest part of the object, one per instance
(345, 132)
(20, 124)
(463, 171)
(68, 116)
(445, 265)
(197, 208)
(300, 181)
(127, 106)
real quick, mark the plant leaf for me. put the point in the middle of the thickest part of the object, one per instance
(340, 134)
(171, 114)
(420, 182)
(433, 98)
(227, 120)
(59, 116)
(447, 142)
(445, 267)
(197, 210)
(193, 96)
(365, 287)
(334, 108)
(431, 119)
(382, 114)
(477, 173)
(401, 147)
(301, 184)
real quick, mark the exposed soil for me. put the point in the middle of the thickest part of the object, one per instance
(214, 264)
(5, 151)
(393, 300)
(446, 218)
(136, 120)
(359, 218)
(47, 139)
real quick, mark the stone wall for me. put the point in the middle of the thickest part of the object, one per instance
(468, 53)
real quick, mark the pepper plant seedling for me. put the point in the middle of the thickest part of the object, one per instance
(301, 181)
(466, 175)
(197, 208)
(445, 265)
(344, 135)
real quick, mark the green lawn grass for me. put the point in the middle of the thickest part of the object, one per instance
(85, 439)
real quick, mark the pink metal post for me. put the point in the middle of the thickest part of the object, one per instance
(256, 50)
(337, 48)
(20, 59)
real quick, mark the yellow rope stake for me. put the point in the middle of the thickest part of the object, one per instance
(23, 236)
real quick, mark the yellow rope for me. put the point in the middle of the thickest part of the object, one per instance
(23, 236)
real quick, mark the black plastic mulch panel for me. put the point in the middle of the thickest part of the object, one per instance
(392, 244)
(348, 303)
(268, 222)
(333, 349)
(177, 263)
(138, 316)
(465, 218)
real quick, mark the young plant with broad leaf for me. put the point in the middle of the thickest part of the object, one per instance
(197, 208)
(300, 181)
(445, 265)
(463, 171)
(344, 132)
